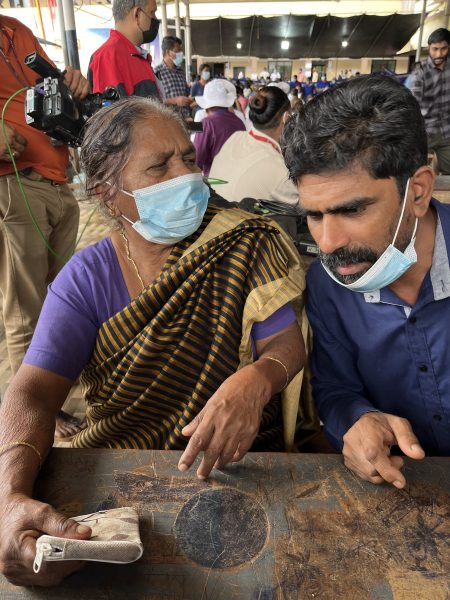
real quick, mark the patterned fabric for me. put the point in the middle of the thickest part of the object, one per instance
(431, 88)
(157, 362)
(174, 84)
(115, 538)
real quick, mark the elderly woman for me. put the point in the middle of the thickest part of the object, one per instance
(183, 326)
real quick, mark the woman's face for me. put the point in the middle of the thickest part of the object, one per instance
(160, 151)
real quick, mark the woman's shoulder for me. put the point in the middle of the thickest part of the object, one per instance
(96, 261)
(100, 252)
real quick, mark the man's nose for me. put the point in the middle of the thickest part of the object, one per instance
(331, 235)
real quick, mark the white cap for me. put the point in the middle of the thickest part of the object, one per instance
(282, 85)
(218, 92)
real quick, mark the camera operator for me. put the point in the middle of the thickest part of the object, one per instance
(26, 265)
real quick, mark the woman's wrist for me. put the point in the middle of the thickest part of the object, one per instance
(272, 375)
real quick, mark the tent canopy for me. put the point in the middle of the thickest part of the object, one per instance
(309, 36)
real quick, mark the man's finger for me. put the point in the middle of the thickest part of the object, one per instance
(19, 139)
(406, 439)
(387, 469)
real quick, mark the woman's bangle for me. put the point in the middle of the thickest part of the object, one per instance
(7, 447)
(284, 367)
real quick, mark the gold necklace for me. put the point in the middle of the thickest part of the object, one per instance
(127, 250)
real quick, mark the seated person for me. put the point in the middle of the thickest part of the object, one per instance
(379, 299)
(220, 122)
(182, 326)
(251, 162)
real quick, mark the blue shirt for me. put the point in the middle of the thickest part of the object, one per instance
(375, 352)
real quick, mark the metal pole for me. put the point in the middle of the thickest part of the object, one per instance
(177, 19)
(164, 18)
(422, 21)
(188, 41)
(62, 30)
(71, 34)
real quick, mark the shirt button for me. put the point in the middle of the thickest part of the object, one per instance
(423, 368)
(412, 319)
(437, 417)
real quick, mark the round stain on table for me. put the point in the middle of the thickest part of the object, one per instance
(221, 528)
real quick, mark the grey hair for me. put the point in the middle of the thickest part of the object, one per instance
(106, 147)
(121, 8)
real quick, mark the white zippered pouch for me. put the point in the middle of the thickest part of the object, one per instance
(115, 539)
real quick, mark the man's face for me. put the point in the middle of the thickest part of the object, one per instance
(352, 218)
(438, 53)
(172, 53)
(149, 12)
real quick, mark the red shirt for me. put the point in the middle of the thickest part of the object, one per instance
(16, 42)
(119, 63)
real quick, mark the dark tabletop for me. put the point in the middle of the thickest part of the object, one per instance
(275, 526)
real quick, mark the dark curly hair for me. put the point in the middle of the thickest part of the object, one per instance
(371, 120)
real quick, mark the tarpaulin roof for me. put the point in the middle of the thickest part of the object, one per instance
(308, 36)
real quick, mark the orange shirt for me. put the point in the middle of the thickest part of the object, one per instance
(47, 160)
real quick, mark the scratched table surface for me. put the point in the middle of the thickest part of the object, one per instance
(275, 526)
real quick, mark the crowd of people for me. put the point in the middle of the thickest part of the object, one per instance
(189, 325)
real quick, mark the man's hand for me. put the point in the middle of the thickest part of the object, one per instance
(226, 427)
(77, 84)
(16, 141)
(367, 447)
(23, 520)
(183, 101)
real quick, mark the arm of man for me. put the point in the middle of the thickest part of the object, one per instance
(417, 87)
(351, 422)
(17, 143)
(179, 101)
(227, 426)
(27, 414)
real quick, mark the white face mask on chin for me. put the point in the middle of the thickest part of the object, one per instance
(389, 267)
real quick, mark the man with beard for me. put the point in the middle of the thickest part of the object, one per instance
(379, 298)
(431, 88)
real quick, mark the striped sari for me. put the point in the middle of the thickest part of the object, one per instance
(157, 362)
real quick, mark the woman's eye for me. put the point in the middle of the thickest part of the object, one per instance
(159, 166)
(189, 160)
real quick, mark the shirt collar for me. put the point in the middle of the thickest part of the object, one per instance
(267, 137)
(431, 64)
(134, 50)
(440, 267)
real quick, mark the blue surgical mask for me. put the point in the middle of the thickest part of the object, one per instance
(205, 75)
(172, 210)
(389, 267)
(179, 57)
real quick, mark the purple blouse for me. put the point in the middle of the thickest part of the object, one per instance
(88, 291)
(217, 128)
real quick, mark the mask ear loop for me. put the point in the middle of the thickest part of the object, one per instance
(110, 210)
(401, 217)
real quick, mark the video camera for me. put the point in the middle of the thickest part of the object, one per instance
(49, 105)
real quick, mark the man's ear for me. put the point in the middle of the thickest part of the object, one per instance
(422, 183)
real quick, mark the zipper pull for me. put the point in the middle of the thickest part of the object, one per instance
(42, 551)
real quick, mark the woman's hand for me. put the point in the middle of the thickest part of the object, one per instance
(226, 427)
(22, 521)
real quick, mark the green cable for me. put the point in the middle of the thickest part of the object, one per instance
(24, 195)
